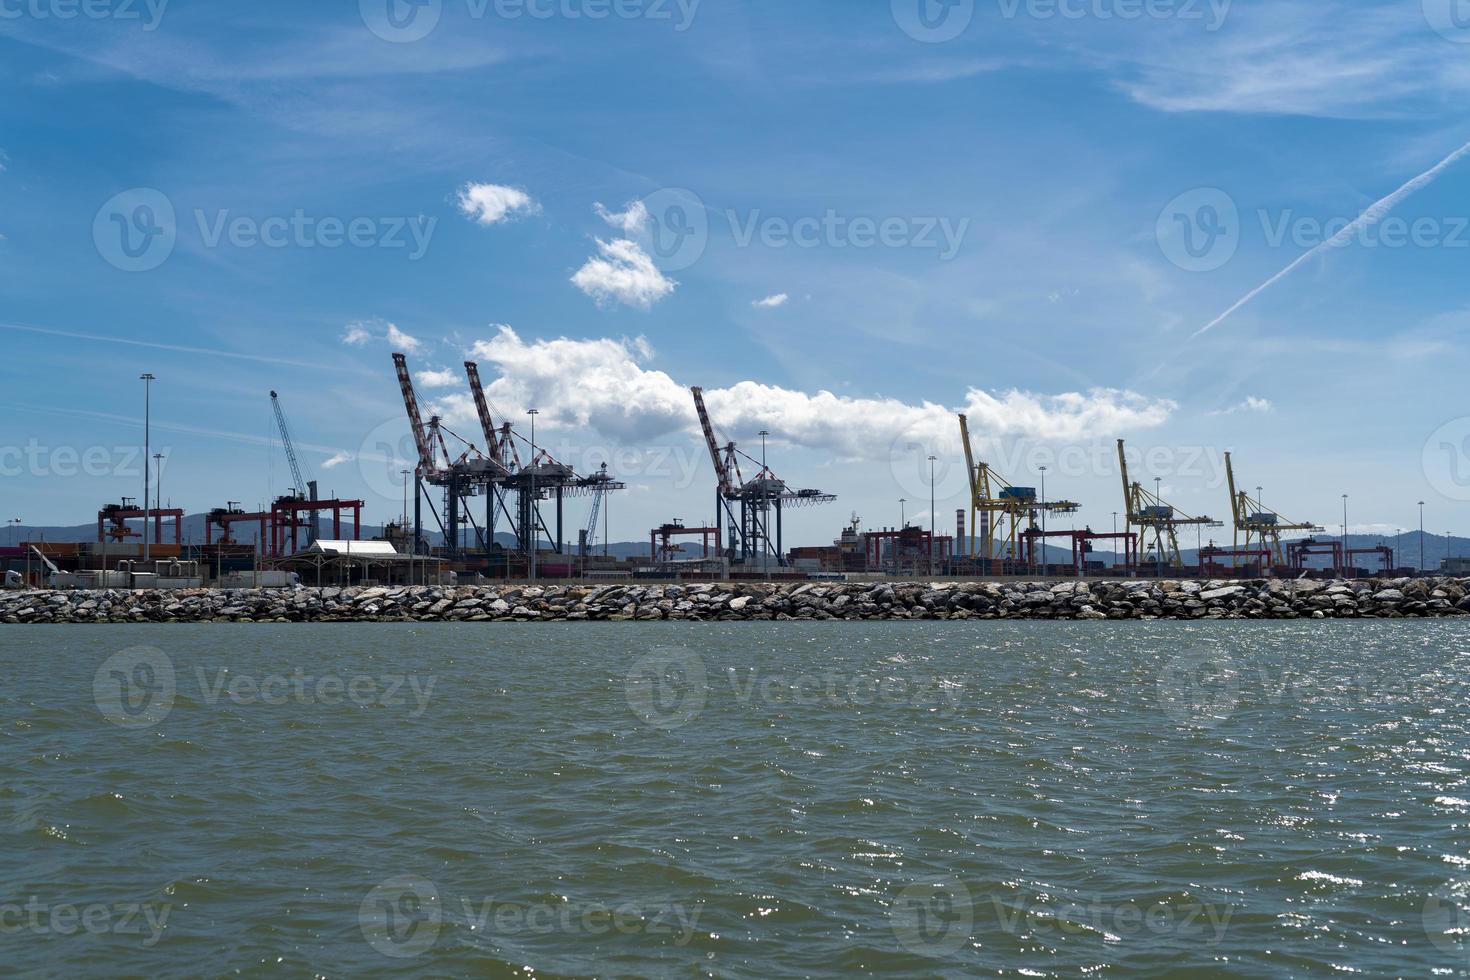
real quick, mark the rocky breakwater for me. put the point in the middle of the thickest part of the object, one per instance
(1070, 600)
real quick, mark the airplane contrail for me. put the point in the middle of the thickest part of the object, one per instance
(1372, 215)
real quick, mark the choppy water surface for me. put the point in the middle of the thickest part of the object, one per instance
(735, 799)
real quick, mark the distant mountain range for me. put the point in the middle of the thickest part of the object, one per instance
(1406, 546)
(246, 532)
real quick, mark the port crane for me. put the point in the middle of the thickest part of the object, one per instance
(1260, 525)
(999, 509)
(751, 509)
(1156, 517)
(302, 487)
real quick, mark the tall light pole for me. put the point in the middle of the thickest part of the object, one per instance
(903, 520)
(933, 526)
(14, 523)
(765, 518)
(147, 380)
(1344, 535)
(1421, 536)
(157, 486)
(535, 511)
(1159, 544)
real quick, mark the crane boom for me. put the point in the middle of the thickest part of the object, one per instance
(721, 471)
(411, 405)
(286, 443)
(1128, 505)
(969, 457)
(482, 407)
(1234, 500)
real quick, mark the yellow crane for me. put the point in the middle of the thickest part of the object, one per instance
(1259, 523)
(998, 509)
(1156, 517)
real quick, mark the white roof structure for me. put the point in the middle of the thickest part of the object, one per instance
(354, 549)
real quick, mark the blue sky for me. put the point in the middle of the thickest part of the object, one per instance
(844, 224)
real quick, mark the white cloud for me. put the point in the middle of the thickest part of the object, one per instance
(437, 378)
(771, 302)
(362, 332)
(491, 204)
(1339, 60)
(601, 384)
(337, 460)
(623, 273)
(398, 338)
(630, 221)
(1251, 404)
